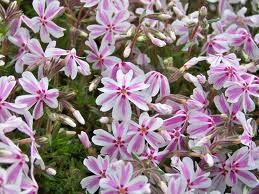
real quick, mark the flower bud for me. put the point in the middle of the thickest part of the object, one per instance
(78, 117)
(209, 159)
(94, 84)
(104, 120)
(51, 171)
(156, 41)
(67, 120)
(203, 11)
(163, 186)
(84, 139)
(177, 12)
(2, 60)
(127, 50)
(162, 108)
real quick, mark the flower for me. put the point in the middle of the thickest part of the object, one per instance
(216, 44)
(39, 94)
(221, 73)
(238, 167)
(157, 81)
(118, 94)
(100, 57)
(37, 56)
(241, 90)
(6, 86)
(98, 166)
(43, 23)
(89, 3)
(177, 185)
(198, 100)
(84, 139)
(243, 37)
(109, 26)
(200, 124)
(122, 181)
(177, 139)
(248, 134)
(191, 179)
(114, 145)
(5, 185)
(143, 132)
(153, 155)
(71, 61)
(21, 40)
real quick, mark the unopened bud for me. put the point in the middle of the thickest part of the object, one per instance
(70, 133)
(162, 108)
(104, 120)
(42, 140)
(127, 50)
(177, 12)
(78, 117)
(163, 186)
(203, 11)
(84, 139)
(51, 171)
(67, 120)
(161, 35)
(156, 41)
(209, 160)
(94, 84)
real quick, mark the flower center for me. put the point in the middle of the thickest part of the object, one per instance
(41, 95)
(122, 191)
(123, 91)
(143, 130)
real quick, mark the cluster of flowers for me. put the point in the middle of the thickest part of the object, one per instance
(149, 124)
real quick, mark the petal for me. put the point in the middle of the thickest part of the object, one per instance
(38, 110)
(136, 144)
(54, 29)
(39, 6)
(29, 83)
(52, 10)
(29, 100)
(71, 67)
(44, 34)
(91, 183)
(138, 184)
(122, 110)
(102, 138)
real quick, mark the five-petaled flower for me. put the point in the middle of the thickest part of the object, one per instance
(39, 94)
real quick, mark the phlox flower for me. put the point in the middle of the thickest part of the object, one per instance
(153, 155)
(227, 59)
(123, 181)
(125, 67)
(21, 40)
(243, 37)
(216, 44)
(114, 145)
(249, 133)
(39, 94)
(191, 180)
(117, 94)
(145, 131)
(43, 23)
(6, 186)
(37, 56)
(228, 109)
(158, 82)
(242, 90)
(198, 100)
(6, 86)
(221, 73)
(200, 124)
(238, 167)
(98, 166)
(100, 57)
(73, 63)
(109, 26)
(177, 139)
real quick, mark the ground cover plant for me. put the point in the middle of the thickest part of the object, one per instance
(129, 96)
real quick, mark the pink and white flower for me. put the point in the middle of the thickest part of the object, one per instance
(158, 82)
(100, 57)
(43, 23)
(145, 131)
(98, 166)
(122, 180)
(117, 95)
(39, 94)
(109, 26)
(242, 90)
(114, 145)
(73, 63)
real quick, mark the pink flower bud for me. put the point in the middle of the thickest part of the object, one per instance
(162, 108)
(51, 171)
(156, 41)
(84, 139)
(79, 117)
(209, 159)
(104, 120)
